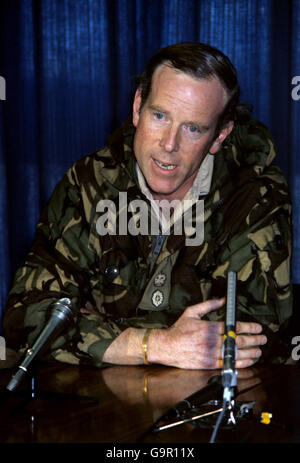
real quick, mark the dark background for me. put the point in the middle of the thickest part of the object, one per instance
(70, 68)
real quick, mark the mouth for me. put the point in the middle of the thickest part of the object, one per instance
(163, 166)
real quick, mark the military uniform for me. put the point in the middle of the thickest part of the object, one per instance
(148, 281)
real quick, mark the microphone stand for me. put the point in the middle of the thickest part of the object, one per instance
(33, 393)
(188, 409)
(229, 353)
(30, 401)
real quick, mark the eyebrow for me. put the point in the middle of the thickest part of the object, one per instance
(201, 127)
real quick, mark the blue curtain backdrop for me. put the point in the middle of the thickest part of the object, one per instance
(69, 68)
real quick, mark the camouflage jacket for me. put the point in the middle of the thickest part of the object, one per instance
(247, 228)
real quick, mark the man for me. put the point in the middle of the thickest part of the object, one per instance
(152, 298)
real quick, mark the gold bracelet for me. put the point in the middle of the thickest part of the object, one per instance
(145, 346)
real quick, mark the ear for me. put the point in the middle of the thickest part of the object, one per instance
(221, 137)
(136, 107)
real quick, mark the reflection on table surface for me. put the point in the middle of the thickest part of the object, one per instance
(120, 403)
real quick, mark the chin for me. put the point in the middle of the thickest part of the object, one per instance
(160, 190)
(164, 194)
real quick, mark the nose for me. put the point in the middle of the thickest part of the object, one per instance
(169, 140)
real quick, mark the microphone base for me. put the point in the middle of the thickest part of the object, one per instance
(29, 396)
(241, 411)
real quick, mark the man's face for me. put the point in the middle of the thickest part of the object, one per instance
(175, 129)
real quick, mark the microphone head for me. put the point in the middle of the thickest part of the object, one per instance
(64, 309)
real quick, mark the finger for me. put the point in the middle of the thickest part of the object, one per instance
(245, 358)
(245, 341)
(240, 363)
(248, 327)
(198, 310)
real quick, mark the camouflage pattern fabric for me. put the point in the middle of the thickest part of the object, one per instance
(248, 229)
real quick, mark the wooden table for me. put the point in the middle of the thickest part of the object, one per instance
(119, 404)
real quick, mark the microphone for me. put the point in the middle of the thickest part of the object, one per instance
(63, 312)
(229, 353)
(211, 391)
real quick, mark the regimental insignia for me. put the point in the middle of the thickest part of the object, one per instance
(157, 298)
(160, 279)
